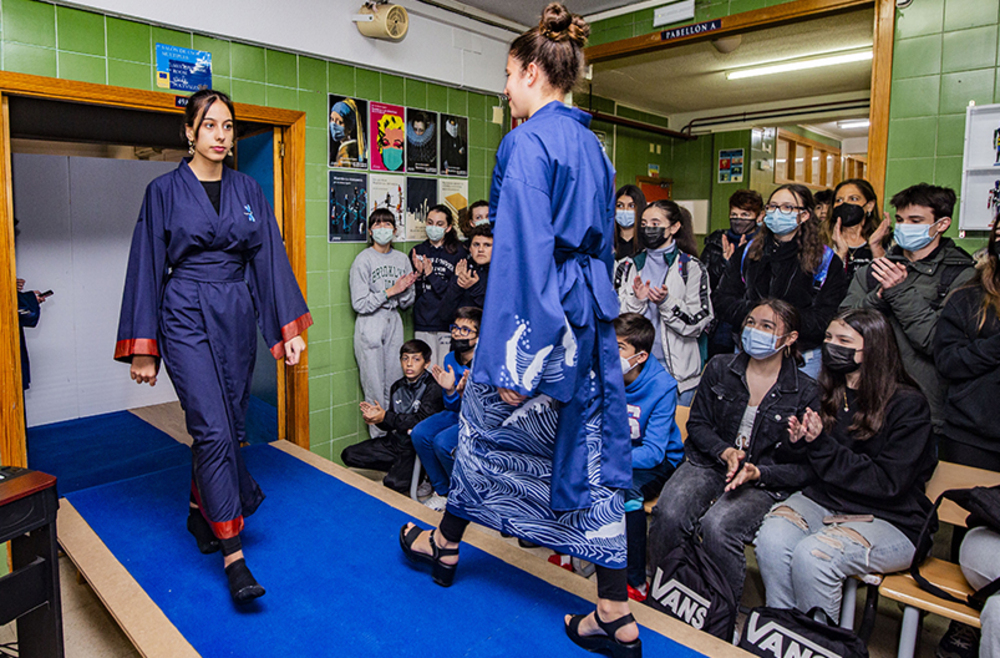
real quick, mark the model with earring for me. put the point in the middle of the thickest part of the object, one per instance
(207, 264)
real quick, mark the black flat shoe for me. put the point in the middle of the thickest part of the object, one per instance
(243, 587)
(198, 526)
(443, 574)
(608, 644)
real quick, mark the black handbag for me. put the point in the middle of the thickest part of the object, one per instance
(983, 505)
(688, 586)
(770, 632)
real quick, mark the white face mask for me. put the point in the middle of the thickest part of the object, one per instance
(383, 235)
(452, 128)
(627, 366)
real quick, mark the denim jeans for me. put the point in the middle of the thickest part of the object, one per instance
(694, 503)
(813, 361)
(804, 562)
(684, 399)
(981, 567)
(434, 439)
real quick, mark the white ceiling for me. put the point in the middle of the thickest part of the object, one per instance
(692, 77)
(527, 12)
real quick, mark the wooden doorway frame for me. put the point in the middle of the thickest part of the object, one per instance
(883, 33)
(290, 140)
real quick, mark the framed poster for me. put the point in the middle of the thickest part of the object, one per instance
(421, 195)
(348, 206)
(389, 191)
(388, 137)
(348, 122)
(421, 141)
(183, 69)
(455, 195)
(454, 145)
(731, 166)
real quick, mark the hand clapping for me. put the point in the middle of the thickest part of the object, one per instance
(808, 428)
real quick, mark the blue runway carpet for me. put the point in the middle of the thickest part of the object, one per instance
(337, 584)
(96, 450)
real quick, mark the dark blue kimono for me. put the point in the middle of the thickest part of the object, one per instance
(547, 334)
(197, 283)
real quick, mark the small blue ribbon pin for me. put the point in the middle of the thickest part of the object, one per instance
(248, 211)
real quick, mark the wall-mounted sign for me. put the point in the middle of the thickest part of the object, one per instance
(731, 166)
(682, 10)
(691, 30)
(183, 69)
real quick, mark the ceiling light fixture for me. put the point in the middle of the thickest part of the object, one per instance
(853, 124)
(800, 65)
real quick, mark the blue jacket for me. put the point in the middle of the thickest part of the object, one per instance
(652, 400)
(454, 402)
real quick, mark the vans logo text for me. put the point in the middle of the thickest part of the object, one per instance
(683, 602)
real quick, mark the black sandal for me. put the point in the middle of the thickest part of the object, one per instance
(442, 573)
(606, 644)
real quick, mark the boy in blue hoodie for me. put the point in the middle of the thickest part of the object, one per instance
(651, 399)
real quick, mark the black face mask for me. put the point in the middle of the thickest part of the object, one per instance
(995, 249)
(652, 237)
(742, 225)
(461, 345)
(848, 214)
(839, 359)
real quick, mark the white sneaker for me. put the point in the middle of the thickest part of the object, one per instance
(424, 489)
(436, 502)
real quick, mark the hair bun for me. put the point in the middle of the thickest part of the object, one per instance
(558, 25)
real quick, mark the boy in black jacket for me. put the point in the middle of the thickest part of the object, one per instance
(412, 398)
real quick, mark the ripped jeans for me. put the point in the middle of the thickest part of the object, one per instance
(804, 563)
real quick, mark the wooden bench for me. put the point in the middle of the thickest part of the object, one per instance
(681, 418)
(948, 576)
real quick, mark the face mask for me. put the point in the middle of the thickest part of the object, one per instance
(995, 249)
(742, 225)
(481, 222)
(627, 366)
(839, 359)
(461, 345)
(913, 237)
(452, 128)
(435, 233)
(848, 214)
(781, 223)
(759, 344)
(392, 158)
(337, 132)
(625, 218)
(653, 237)
(383, 235)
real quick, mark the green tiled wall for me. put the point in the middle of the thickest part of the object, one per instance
(945, 56)
(60, 42)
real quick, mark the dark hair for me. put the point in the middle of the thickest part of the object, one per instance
(677, 215)
(872, 219)
(380, 216)
(790, 321)
(481, 231)
(416, 346)
(941, 200)
(987, 280)
(823, 197)
(555, 45)
(465, 216)
(473, 313)
(749, 200)
(450, 237)
(808, 238)
(639, 199)
(881, 375)
(636, 330)
(199, 102)
(479, 204)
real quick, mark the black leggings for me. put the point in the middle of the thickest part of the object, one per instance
(612, 584)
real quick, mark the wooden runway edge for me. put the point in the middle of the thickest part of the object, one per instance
(149, 629)
(663, 624)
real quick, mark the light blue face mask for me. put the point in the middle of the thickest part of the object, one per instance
(759, 344)
(913, 237)
(781, 223)
(383, 235)
(392, 159)
(337, 132)
(435, 233)
(625, 218)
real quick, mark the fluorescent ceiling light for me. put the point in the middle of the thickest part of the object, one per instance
(800, 64)
(854, 123)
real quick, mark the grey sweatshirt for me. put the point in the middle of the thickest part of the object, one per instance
(372, 274)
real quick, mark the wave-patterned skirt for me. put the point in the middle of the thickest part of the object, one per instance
(503, 477)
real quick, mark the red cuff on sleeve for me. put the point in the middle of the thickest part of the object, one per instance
(290, 331)
(133, 346)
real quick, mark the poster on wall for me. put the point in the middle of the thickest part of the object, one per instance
(421, 196)
(421, 141)
(389, 192)
(455, 195)
(348, 206)
(454, 145)
(348, 121)
(388, 137)
(183, 69)
(731, 166)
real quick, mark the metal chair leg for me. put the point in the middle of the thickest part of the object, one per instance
(908, 632)
(848, 603)
(415, 480)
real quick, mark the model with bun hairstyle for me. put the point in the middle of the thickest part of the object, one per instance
(544, 451)
(208, 264)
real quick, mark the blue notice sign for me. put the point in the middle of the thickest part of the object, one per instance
(183, 69)
(691, 30)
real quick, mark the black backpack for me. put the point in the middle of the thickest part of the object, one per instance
(770, 632)
(688, 585)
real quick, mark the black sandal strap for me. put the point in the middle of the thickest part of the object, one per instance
(611, 627)
(440, 552)
(412, 534)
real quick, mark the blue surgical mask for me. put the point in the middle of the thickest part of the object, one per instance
(781, 223)
(383, 235)
(337, 132)
(435, 233)
(759, 344)
(913, 237)
(625, 218)
(392, 159)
